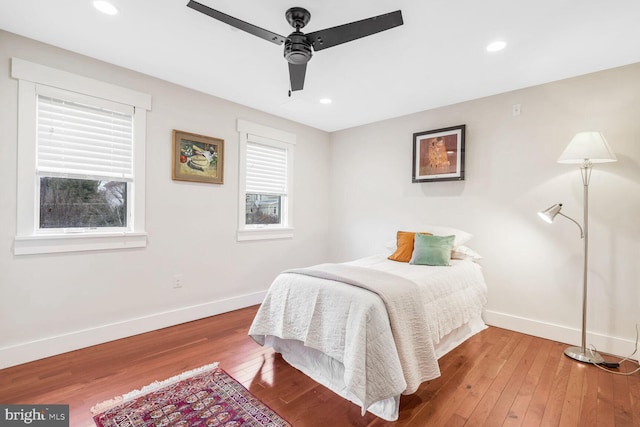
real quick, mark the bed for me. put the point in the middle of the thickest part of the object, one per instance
(373, 329)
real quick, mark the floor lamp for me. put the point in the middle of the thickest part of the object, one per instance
(585, 149)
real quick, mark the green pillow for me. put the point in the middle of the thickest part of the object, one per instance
(432, 250)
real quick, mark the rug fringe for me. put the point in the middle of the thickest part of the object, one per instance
(118, 400)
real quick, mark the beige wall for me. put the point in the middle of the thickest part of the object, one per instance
(54, 303)
(533, 270)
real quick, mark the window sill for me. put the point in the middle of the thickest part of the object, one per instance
(57, 243)
(264, 233)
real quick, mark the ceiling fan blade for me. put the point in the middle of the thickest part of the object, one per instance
(234, 22)
(296, 75)
(345, 33)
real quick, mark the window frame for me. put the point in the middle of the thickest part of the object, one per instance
(268, 136)
(29, 239)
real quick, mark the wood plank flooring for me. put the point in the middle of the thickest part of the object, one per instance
(497, 378)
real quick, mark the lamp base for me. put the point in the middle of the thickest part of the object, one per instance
(582, 355)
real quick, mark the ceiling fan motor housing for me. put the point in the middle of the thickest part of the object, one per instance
(297, 48)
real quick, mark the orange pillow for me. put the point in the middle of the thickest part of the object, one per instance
(404, 246)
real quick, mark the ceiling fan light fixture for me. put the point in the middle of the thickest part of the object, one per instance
(496, 46)
(105, 7)
(297, 49)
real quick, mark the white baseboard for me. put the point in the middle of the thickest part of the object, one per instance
(610, 345)
(51, 346)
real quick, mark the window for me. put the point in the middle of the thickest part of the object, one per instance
(80, 162)
(84, 152)
(68, 203)
(266, 170)
(265, 183)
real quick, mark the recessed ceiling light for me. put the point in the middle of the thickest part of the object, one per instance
(496, 46)
(325, 101)
(105, 7)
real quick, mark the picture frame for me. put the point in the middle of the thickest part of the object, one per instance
(438, 155)
(197, 158)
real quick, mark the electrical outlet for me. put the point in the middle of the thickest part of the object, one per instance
(177, 281)
(515, 109)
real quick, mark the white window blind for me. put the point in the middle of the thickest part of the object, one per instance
(266, 171)
(85, 141)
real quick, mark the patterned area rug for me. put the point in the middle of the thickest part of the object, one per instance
(206, 396)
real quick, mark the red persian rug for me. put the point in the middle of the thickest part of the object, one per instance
(206, 396)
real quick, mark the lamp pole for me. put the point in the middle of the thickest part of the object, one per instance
(580, 353)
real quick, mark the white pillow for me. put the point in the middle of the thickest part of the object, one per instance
(391, 245)
(462, 237)
(464, 252)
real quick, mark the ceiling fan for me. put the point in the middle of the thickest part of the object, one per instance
(299, 47)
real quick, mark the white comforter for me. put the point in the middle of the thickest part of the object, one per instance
(351, 325)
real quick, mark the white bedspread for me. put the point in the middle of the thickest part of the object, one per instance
(411, 331)
(351, 325)
(451, 295)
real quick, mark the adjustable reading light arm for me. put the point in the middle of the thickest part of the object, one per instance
(550, 213)
(575, 222)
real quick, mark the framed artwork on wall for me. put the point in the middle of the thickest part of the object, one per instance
(438, 155)
(197, 158)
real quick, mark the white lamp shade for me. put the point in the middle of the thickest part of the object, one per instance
(591, 146)
(550, 213)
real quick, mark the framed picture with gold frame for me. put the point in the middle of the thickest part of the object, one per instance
(197, 158)
(438, 155)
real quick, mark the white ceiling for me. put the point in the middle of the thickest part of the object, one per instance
(436, 58)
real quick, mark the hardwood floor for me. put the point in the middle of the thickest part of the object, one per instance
(497, 378)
